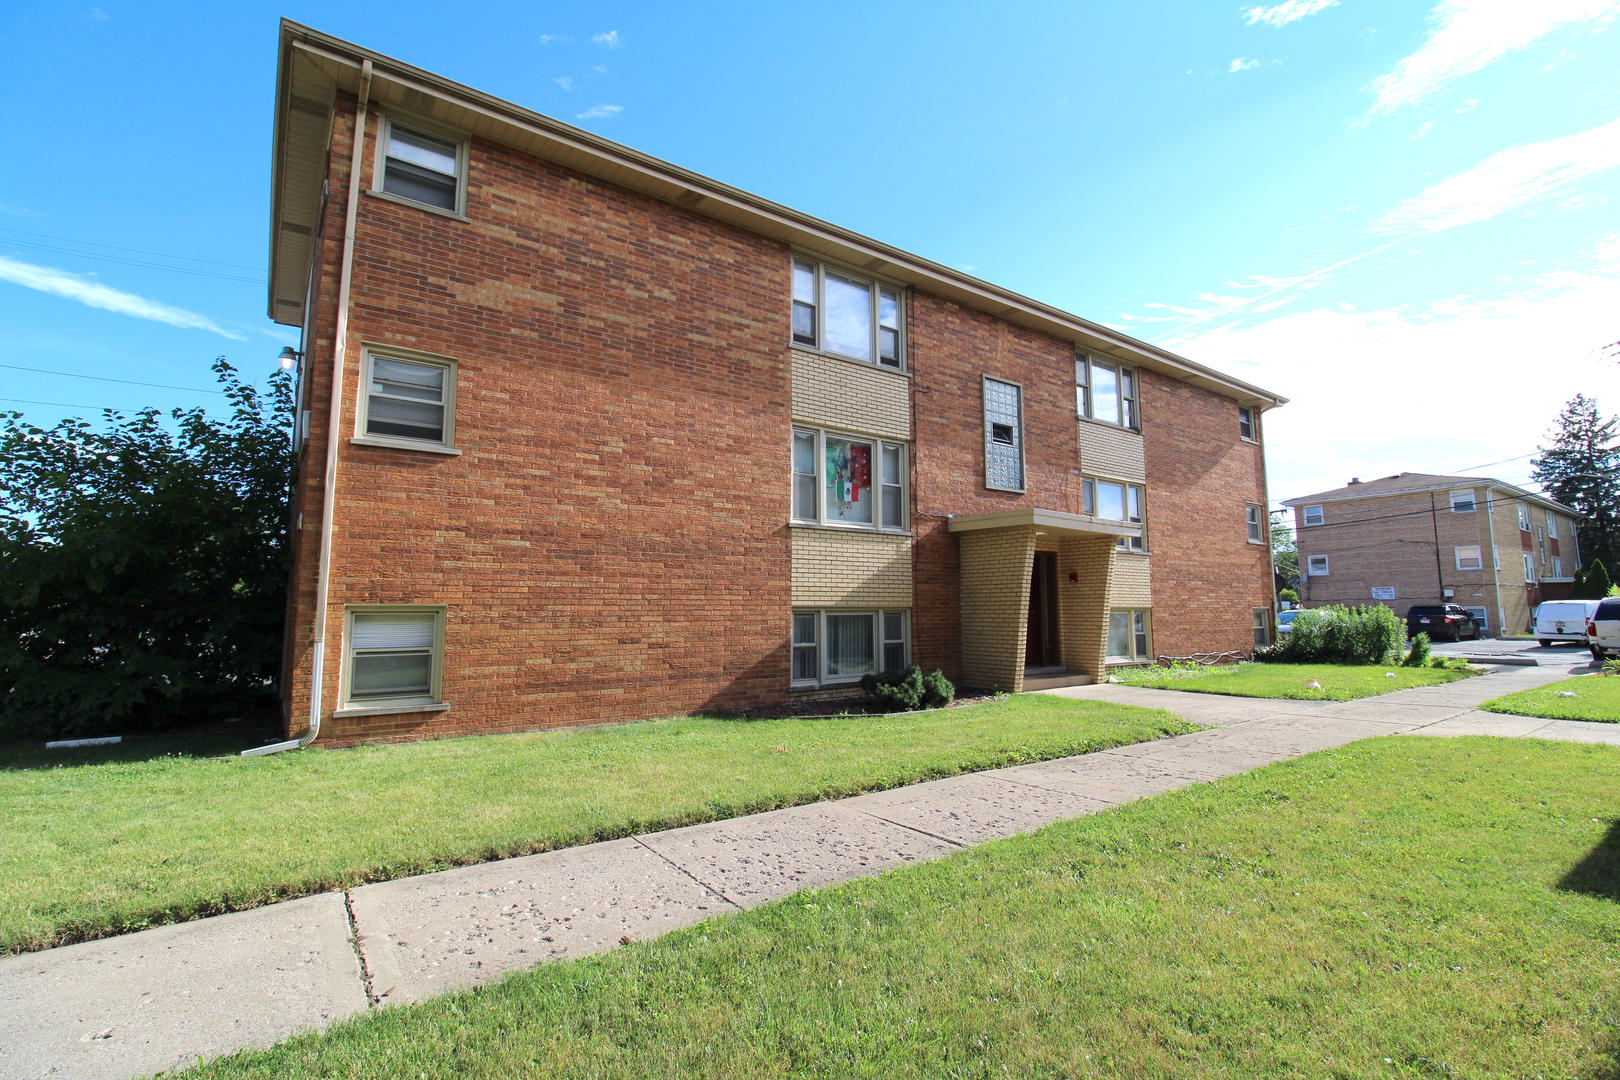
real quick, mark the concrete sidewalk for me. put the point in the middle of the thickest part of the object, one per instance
(160, 999)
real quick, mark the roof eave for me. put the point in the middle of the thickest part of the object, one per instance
(399, 84)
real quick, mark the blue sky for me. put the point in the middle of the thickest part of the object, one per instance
(1404, 217)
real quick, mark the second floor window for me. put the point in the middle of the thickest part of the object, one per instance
(1317, 566)
(1105, 391)
(1462, 502)
(846, 315)
(1114, 501)
(1245, 421)
(1313, 515)
(845, 480)
(408, 401)
(1257, 524)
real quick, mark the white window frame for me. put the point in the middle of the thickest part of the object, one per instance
(1460, 498)
(1311, 562)
(1305, 518)
(1129, 413)
(1254, 516)
(816, 340)
(1248, 417)
(1552, 526)
(435, 694)
(1133, 493)
(879, 522)
(1465, 561)
(1524, 517)
(426, 127)
(879, 644)
(1141, 635)
(362, 413)
(1262, 627)
(1557, 566)
(1496, 558)
(990, 433)
(1529, 568)
(1481, 615)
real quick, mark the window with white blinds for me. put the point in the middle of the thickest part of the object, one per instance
(393, 656)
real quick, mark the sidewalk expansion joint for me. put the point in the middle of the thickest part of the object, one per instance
(372, 1000)
(911, 828)
(704, 885)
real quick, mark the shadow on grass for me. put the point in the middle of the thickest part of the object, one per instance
(15, 757)
(1598, 872)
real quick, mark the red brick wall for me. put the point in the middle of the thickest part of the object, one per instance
(952, 348)
(1207, 577)
(611, 543)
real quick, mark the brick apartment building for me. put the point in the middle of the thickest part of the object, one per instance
(588, 437)
(1415, 538)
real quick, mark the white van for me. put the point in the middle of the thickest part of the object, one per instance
(1603, 630)
(1562, 620)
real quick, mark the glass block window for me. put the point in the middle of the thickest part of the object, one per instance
(1003, 435)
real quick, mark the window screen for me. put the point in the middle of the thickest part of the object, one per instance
(421, 168)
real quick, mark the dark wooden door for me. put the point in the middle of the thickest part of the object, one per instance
(1041, 643)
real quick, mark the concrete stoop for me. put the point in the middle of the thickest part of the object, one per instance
(1053, 679)
(159, 999)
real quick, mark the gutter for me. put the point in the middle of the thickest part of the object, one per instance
(323, 581)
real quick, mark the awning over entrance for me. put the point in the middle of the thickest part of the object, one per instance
(1055, 522)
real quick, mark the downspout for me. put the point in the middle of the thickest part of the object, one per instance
(1439, 578)
(1496, 559)
(323, 580)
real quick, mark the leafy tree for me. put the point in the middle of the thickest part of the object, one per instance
(1592, 584)
(1285, 551)
(143, 566)
(1582, 471)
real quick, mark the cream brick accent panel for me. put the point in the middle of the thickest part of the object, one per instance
(995, 569)
(1133, 582)
(1083, 606)
(851, 396)
(851, 569)
(1112, 451)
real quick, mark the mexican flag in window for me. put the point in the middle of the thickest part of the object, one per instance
(849, 480)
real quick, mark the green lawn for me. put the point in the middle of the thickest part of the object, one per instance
(1597, 697)
(92, 849)
(1340, 682)
(1400, 907)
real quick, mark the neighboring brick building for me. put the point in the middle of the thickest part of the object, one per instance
(1414, 538)
(612, 440)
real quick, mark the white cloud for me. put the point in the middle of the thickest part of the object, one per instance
(609, 40)
(564, 81)
(1607, 251)
(547, 39)
(1466, 35)
(600, 112)
(1423, 129)
(96, 295)
(18, 211)
(1507, 180)
(97, 15)
(1287, 12)
(1242, 64)
(1380, 392)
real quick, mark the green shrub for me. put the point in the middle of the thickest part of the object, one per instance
(1418, 655)
(909, 690)
(1449, 663)
(1339, 635)
(1288, 596)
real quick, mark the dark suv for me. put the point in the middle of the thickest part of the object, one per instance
(1442, 622)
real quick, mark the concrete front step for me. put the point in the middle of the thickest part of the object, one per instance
(1052, 680)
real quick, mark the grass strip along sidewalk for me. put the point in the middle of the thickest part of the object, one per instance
(1339, 682)
(95, 849)
(1397, 907)
(1594, 697)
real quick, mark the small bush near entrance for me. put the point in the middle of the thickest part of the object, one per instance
(1418, 655)
(909, 690)
(1339, 635)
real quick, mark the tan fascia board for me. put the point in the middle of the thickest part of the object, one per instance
(1057, 521)
(409, 88)
(1489, 485)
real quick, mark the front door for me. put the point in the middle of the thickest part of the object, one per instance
(1041, 642)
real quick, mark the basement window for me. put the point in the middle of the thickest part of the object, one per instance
(835, 648)
(394, 656)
